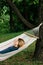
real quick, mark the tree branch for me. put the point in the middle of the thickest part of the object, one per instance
(14, 8)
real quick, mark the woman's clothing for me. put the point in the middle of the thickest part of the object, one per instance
(9, 49)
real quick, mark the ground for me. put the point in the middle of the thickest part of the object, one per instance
(22, 58)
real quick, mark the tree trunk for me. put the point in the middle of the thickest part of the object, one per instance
(39, 45)
(29, 25)
(25, 12)
(39, 11)
(38, 54)
(11, 22)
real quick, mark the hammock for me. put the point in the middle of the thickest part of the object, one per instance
(28, 38)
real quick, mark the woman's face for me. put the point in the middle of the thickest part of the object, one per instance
(16, 43)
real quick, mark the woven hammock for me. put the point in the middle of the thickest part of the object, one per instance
(28, 38)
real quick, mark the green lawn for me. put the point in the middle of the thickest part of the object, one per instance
(22, 58)
(4, 37)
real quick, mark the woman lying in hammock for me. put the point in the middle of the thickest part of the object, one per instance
(17, 44)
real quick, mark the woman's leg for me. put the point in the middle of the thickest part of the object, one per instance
(12, 48)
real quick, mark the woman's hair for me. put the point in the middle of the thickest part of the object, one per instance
(20, 42)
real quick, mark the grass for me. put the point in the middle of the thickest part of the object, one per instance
(4, 37)
(22, 58)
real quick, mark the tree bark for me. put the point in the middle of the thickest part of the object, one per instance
(38, 54)
(39, 11)
(25, 12)
(11, 22)
(14, 8)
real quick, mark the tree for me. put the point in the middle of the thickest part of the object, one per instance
(11, 19)
(13, 6)
(39, 44)
(11, 22)
(25, 8)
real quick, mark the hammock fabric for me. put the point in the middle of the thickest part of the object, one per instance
(29, 39)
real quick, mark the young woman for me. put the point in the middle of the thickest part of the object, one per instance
(17, 44)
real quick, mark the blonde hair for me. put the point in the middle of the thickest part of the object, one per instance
(20, 42)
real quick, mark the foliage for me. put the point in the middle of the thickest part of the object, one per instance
(19, 26)
(4, 18)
